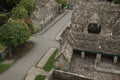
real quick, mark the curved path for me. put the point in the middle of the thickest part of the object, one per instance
(42, 44)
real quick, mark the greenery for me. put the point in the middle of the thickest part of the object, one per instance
(1, 46)
(62, 2)
(3, 18)
(48, 66)
(30, 25)
(13, 34)
(19, 13)
(4, 67)
(29, 5)
(40, 77)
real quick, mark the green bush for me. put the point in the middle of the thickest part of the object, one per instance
(30, 25)
(19, 13)
(13, 34)
(29, 5)
(3, 18)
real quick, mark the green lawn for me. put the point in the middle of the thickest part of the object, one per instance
(4, 67)
(40, 77)
(49, 65)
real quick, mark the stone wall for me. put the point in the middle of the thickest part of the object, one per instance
(63, 59)
(45, 12)
(62, 75)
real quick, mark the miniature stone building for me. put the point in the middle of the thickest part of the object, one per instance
(95, 27)
(45, 12)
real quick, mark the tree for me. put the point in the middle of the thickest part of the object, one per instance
(29, 5)
(13, 34)
(19, 12)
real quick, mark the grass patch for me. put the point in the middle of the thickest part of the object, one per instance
(48, 66)
(4, 67)
(40, 77)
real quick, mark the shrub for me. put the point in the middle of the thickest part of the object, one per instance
(13, 34)
(29, 5)
(28, 23)
(3, 18)
(19, 13)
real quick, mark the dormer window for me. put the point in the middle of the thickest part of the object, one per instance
(94, 28)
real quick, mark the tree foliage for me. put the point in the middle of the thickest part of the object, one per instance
(13, 34)
(3, 18)
(28, 4)
(19, 13)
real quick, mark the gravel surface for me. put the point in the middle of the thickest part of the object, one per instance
(85, 67)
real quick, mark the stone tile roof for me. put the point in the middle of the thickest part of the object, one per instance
(107, 12)
(103, 13)
(95, 42)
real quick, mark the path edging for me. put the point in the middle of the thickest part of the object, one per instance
(37, 69)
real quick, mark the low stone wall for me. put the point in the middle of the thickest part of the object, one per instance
(107, 70)
(63, 59)
(62, 75)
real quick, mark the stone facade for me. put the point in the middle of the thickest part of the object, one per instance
(101, 15)
(45, 12)
(63, 59)
(104, 14)
(62, 75)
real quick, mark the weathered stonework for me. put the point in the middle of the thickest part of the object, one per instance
(101, 15)
(62, 75)
(107, 15)
(45, 12)
(63, 59)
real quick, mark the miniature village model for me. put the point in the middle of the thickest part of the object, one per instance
(90, 46)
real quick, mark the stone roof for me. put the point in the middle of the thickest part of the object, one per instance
(94, 19)
(77, 36)
(97, 43)
(103, 13)
(108, 13)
